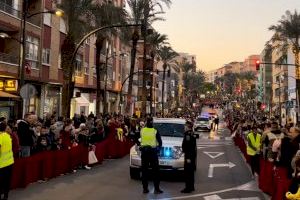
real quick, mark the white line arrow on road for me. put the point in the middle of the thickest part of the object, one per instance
(216, 197)
(213, 155)
(212, 166)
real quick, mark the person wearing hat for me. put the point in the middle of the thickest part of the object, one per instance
(150, 146)
(189, 149)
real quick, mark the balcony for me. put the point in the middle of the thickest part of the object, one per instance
(10, 10)
(8, 58)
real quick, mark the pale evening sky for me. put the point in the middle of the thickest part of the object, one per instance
(221, 31)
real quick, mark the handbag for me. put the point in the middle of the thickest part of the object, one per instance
(92, 158)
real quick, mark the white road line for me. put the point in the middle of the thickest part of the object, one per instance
(210, 193)
(216, 197)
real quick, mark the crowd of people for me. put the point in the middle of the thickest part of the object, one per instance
(31, 135)
(266, 138)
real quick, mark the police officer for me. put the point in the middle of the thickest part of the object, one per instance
(150, 145)
(189, 149)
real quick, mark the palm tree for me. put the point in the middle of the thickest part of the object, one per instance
(136, 10)
(166, 54)
(76, 15)
(151, 11)
(287, 34)
(105, 14)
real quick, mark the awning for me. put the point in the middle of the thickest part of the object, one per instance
(8, 95)
(82, 101)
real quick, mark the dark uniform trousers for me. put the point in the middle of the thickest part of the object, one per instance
(189, 174)
(150, 159)
(190, 150)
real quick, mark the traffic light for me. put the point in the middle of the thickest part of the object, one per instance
(263, 106)
(257, 65)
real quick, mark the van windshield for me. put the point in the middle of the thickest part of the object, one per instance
(169, 129)
(202, 119)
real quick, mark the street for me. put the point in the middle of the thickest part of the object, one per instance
(221, 174)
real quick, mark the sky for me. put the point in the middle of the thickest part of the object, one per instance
(221, 31)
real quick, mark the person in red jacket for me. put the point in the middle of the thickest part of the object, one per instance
(67, 134)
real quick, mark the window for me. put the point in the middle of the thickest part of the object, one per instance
(86, 68)
(78, 66)
(59, 61)
(46, 56)
(62, 25)
(94, 71)
(32, 49)
(47, 18)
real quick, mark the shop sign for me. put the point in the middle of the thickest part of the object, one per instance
(9, 85)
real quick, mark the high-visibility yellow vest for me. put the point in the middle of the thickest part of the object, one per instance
(255, 141)
(148, 137)
(6, 154)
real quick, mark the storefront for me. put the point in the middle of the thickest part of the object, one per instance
(52, 99)
(8, 98)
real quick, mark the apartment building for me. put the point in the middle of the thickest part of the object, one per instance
(45, 34)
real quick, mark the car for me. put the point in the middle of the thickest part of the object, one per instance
(202, 123)
(171, 157)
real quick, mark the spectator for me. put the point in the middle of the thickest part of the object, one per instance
(76, 121)
(6, 161)
(44, 141)
(14, 136)
(91, 115)
(67, 134)
(83, 135)
(82, 118)
(25, 133)
(58, 127)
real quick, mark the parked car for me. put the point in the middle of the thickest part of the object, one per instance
(171, 156)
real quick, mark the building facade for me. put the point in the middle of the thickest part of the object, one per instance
(45, 34)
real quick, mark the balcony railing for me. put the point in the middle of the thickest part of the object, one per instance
(9, 9)
(9, 58)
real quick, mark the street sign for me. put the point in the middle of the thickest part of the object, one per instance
(27, 91)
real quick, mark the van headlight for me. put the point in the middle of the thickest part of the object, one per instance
(177, 152)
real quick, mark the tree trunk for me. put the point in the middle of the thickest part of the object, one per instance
(135, 38)
(296, 54)
(163, 91)
(99, 46)
(67, 50)
(144, 89)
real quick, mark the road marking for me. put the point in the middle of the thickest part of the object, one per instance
(213, 155)
(206, 146)
(216, 197)
(212, 193)
(212, 166)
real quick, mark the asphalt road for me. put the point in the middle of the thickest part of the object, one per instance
(229, 178)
